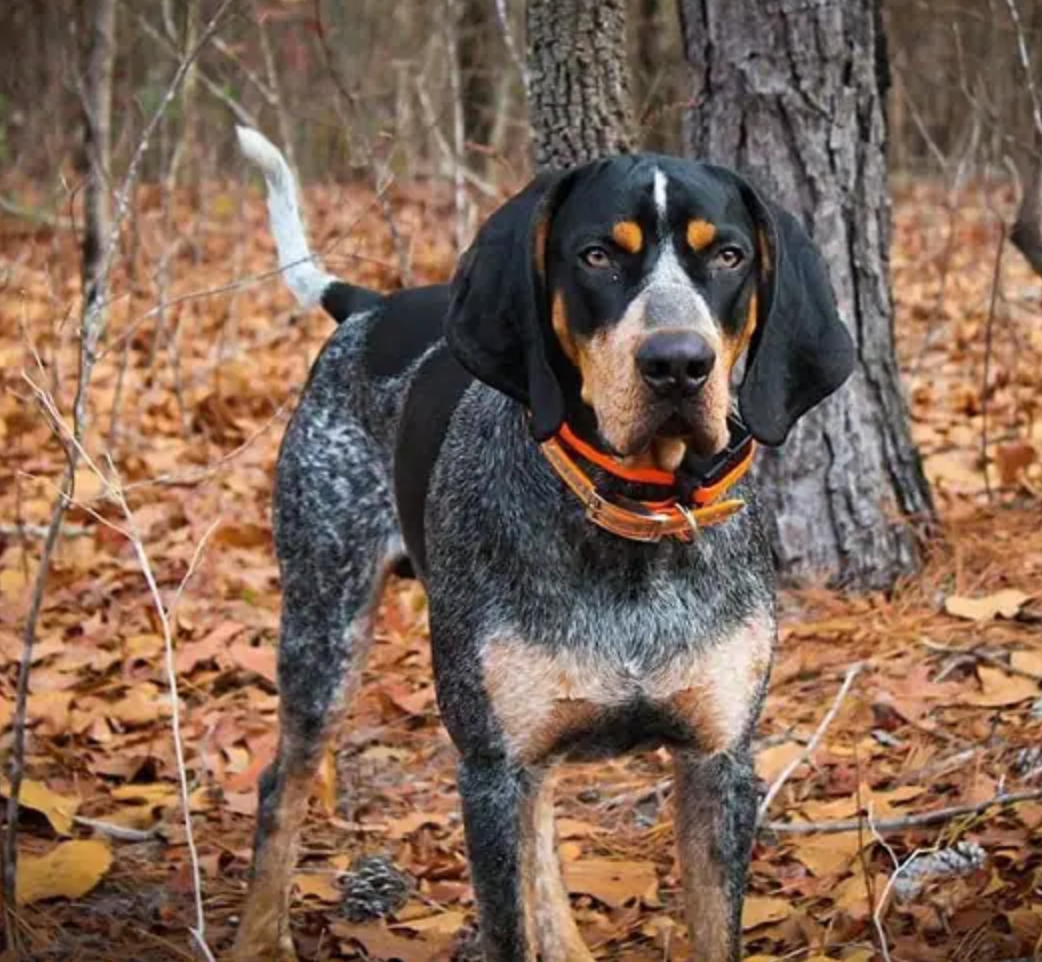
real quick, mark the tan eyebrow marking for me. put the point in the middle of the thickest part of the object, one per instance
(700, 234)
(628, 235)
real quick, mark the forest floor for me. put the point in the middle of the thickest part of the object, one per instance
(191, 401)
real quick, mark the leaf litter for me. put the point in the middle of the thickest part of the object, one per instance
(947, 710)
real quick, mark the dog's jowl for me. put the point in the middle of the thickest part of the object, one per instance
(557, 441)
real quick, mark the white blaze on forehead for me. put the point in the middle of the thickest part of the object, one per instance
(669, 276)
(660, 195)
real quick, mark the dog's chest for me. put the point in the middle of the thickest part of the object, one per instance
(584, 701)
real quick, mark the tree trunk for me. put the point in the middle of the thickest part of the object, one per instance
(659, 82)
(792, 95)
(97, 149)
(480, 61)
(578, 93)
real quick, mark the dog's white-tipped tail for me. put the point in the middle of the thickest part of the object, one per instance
(302, 271)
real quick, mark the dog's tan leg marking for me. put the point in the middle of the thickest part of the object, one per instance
(551, 924)
(264, 933)
(705, 897)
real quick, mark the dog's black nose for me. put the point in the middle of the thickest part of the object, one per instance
(675, 362)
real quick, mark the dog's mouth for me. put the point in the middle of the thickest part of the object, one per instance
(668, 435)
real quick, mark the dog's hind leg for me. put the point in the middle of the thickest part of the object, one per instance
(337, 540)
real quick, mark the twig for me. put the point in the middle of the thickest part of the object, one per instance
(40, 531)
(401, 252)
(114, 491)
(879, 905)
(9, 206)
(92, 329)
(984, 656)
(431, 121)
(242, 115)
(503, 16)
(275, 89)
(989, 327)
(852, 672)
(900, 824)
(199, 931)
(458, 192)
(121, 833)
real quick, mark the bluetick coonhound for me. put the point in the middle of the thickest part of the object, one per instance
(556, 441)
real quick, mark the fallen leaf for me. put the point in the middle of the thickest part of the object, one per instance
(261, 660)
(1006, 604)
(827, 855)
(69, 871)
(999, 688)
(445, 923)
(322, 887)
(573, 828)
(208, 648)
(771, 762)
(1030, 661)
(157, 793)
(1012, 459)
(761, 909)
(57, 809)
(142, 705)
(381, 943)
(613, 882)
(413, 822)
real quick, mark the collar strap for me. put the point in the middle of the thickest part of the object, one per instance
(652, 521)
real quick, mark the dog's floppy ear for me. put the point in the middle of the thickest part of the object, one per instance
(800, 351)
(498, 316)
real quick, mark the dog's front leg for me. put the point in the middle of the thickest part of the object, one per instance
(715, 823)
(497, 795)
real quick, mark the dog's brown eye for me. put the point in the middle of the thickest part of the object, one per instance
(596, 257)
(728, 257)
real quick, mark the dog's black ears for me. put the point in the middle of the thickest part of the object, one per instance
(800, 351)
(498, 316)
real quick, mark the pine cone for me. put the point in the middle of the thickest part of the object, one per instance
(373, 889)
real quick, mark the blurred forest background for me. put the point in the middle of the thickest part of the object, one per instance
(374, 79)
(910, 829)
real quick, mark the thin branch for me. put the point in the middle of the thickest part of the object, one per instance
(455, 92)
(985, 656)
(917, 820)
(989, 330)
(852, 672)
(91, 332)
(276, 102)
(503, 16)
(242, 115)
(199, 931)
(402, 253)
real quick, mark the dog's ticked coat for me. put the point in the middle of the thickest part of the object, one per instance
(616, 304)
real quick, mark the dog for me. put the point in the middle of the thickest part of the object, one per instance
(557, 441)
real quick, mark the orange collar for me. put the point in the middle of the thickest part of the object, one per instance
(646, 520)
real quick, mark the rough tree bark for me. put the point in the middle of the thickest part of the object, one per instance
(97, 148)
(791, 93)
(578, 81)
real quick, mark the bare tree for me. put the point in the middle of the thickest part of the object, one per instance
(792, 94)
(97, 148)
(578, 81)
(476, 52)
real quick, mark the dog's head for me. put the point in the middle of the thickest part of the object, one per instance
(643, 299)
